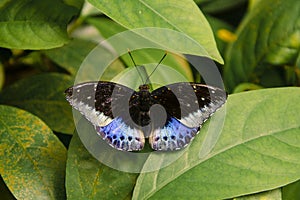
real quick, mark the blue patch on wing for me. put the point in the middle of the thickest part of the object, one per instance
(121, 136)
(173, 136)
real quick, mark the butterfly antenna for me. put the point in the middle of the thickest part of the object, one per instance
(136, 66)
(148, 78)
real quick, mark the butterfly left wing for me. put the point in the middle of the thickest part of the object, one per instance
(104, 105)
(188, 106)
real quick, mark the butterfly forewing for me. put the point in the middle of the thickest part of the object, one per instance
(190, 102)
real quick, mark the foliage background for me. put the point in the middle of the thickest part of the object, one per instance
(257, 154)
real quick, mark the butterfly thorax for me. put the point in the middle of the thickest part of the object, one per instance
(144, 97)
(140, 105)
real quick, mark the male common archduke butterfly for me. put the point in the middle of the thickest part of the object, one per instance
(124, 117)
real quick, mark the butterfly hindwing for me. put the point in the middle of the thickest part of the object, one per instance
(173, 136)
(105, 105)
(121, 136)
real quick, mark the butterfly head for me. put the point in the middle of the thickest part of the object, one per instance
(144, 87)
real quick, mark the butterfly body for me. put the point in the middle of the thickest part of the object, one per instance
(169, 116)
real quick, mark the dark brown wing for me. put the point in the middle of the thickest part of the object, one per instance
(106, 106)
(191, 103)
(108, 98)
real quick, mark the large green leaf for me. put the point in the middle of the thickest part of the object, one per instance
(109, 28)
(256, 149)
(87, 178)
(43, 95)
(32, 159)
(268, 36)
(198, 38)
(34, 24)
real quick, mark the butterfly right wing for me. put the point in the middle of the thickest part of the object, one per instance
(104, 105)
(188, 106)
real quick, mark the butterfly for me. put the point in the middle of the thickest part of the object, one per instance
(169, 116)
(124, 117)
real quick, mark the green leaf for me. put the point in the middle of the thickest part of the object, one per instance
(32, 159)
(255, 149)
(43, 95)
(87, 178)
(109, 28)
(267, 44)
(71, 56)
(193, 34)
(291, 191)
(34, 24)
